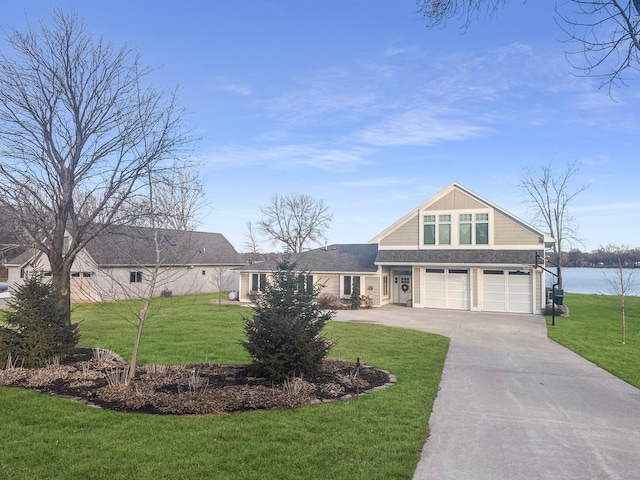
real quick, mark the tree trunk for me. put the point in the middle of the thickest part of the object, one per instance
(61, 284)
(136, 346)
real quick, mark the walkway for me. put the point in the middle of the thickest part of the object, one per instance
(515, 405)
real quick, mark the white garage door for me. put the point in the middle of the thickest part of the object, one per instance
(506, 291)
(447, 288)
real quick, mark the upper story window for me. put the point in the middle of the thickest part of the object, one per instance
(429, 229)
(465, 225)
(482, 228)
(456, 229)
(444, 229)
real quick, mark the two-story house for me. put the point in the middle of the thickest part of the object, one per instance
(455, 251)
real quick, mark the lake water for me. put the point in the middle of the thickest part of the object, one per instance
(588, 280)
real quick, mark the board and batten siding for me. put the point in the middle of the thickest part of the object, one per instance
(406, 234)
(456, 200)
(508, 232)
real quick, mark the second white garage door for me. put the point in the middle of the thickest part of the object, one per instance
(506, 291)
(447, 288)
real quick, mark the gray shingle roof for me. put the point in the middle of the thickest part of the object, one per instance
(357, 257)
(506, 257)
(126, 245)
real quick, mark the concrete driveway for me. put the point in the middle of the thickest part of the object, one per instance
(515, 405)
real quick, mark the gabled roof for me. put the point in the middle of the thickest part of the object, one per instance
(456, 186)
(127, 245)
(358, 257)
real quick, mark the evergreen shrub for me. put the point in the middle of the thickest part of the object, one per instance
(283, 335)
(38, 332)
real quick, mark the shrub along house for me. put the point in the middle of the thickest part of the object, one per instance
(118, 263)
(455, 251)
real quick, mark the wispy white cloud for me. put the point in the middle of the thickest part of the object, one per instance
(290, 156)
(611, 207)
(420, 126)
(374, 182)
(225, 85)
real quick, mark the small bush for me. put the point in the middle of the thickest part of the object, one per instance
(327, 301)
(283, 336)
(38, 332)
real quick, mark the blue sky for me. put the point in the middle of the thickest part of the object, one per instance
(356, 103)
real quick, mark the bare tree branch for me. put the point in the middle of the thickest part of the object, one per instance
(78, 131)
(606, 32)
(295, 220)
(619, 281)
(549, 194)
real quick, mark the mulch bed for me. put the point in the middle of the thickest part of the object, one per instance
(92, 377)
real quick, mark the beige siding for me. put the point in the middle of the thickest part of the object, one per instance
(331, 284)
(508, 232)
(456, 200)
(416, 286)
(474, 286)
(245, 282)
(406, 234)
(374, 293)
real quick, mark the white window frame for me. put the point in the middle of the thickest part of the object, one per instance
(455, 223)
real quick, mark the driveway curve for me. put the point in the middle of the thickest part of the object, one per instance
(515, 405)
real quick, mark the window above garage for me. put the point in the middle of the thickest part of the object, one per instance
(456, 228)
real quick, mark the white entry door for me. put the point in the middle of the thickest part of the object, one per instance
(402, 285)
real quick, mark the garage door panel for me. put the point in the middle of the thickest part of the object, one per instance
(445, 289)
(506, 291)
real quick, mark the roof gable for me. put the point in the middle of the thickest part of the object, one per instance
(456, 197)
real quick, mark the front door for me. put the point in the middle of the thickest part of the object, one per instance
(402, 285)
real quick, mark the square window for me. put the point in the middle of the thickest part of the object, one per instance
(135, 277)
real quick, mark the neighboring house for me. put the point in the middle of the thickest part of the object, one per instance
(455, 251)
(118, 263)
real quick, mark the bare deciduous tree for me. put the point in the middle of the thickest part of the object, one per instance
(180, 198)
(219, 277)
(251, 243)
(549, 195)
(606, 31)
(295, 220)
(619, 281)
(78, 132)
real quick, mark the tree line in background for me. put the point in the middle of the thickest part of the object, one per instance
(610, 256)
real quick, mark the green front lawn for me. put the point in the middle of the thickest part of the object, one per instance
(378, 436)
(594, 331)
